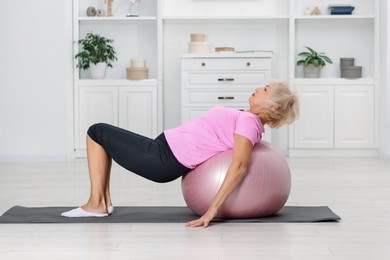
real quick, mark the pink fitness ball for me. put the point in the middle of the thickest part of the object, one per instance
(263, 192)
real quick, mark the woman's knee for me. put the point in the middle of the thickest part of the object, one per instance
(96, 130)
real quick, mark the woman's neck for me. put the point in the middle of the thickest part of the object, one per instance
(263, 118)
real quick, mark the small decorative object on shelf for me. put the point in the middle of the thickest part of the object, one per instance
(137, 70)
(100, 12)
(313, 62)
(341, 9)
(198, 44)
(109, 7)
(95, 49)
(224, 49)
(348, 69)
(91, 11)
(312, 10)
(133, 9)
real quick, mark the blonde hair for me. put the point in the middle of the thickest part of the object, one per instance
(282, 107)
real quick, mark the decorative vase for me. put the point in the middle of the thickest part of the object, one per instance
(311, 71)
(98, 70)
(91, 11)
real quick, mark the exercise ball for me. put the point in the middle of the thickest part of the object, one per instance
(263, 191)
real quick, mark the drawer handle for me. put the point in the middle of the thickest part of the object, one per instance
(226, 79)
(225, 98)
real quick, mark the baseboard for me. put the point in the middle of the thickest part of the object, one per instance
(384, 156)
(34, 158)
(80, 153)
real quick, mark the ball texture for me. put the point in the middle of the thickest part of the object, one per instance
(263, 191)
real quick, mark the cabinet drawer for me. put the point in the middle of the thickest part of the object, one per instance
(188, 114)
(215, 98)
(205, 64)
(221, 79)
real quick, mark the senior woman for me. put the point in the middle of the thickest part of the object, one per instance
(177, 151)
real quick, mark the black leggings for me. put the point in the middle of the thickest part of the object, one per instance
(151, 159)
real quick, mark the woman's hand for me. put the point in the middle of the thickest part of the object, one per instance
(204, 220)
(241, 155)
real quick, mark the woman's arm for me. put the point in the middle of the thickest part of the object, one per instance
(235, 174)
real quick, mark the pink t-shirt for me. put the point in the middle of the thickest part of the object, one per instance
(196, 141)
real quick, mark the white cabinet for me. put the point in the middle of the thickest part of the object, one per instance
(335, 116)
(95, 105)
(138, 110)
(338, 116)
(314, 129)
(129, 106)
(354, 116)
(221, 80)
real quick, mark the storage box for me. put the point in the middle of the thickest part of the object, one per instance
(198, 47)
(341, 9)
(137, 73)
(138, 63)
(351, 72)
(197, 37)
(347, 62)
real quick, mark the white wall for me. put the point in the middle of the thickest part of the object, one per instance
(36, 79)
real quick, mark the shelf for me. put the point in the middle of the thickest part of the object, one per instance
(117, 82)
(255, 54)
(335, 17)
(265, 18)
(333, 81)
(223, 18)
(118, 19)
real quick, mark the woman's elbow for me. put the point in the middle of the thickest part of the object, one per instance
(242, 169)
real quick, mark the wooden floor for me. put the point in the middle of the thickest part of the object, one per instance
(356, 189)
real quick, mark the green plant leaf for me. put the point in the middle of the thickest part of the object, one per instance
(94, 49)
(313, 57)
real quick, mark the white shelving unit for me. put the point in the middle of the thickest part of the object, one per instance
(161, 34)
(135, 105)
(344, 120)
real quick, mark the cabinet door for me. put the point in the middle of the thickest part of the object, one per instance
(96, 105)
(354, 116)
(314, 128)
(138, 110)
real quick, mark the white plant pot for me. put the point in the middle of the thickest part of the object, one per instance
(311, 71)
(98, 71)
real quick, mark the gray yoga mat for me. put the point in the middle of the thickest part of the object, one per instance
(295, 214)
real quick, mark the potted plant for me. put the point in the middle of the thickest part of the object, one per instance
(96, 53)
(313, 62)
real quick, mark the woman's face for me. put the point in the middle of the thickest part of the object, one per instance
(258, 98)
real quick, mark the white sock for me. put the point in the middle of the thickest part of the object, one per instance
(80, 213)
(110, 210)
